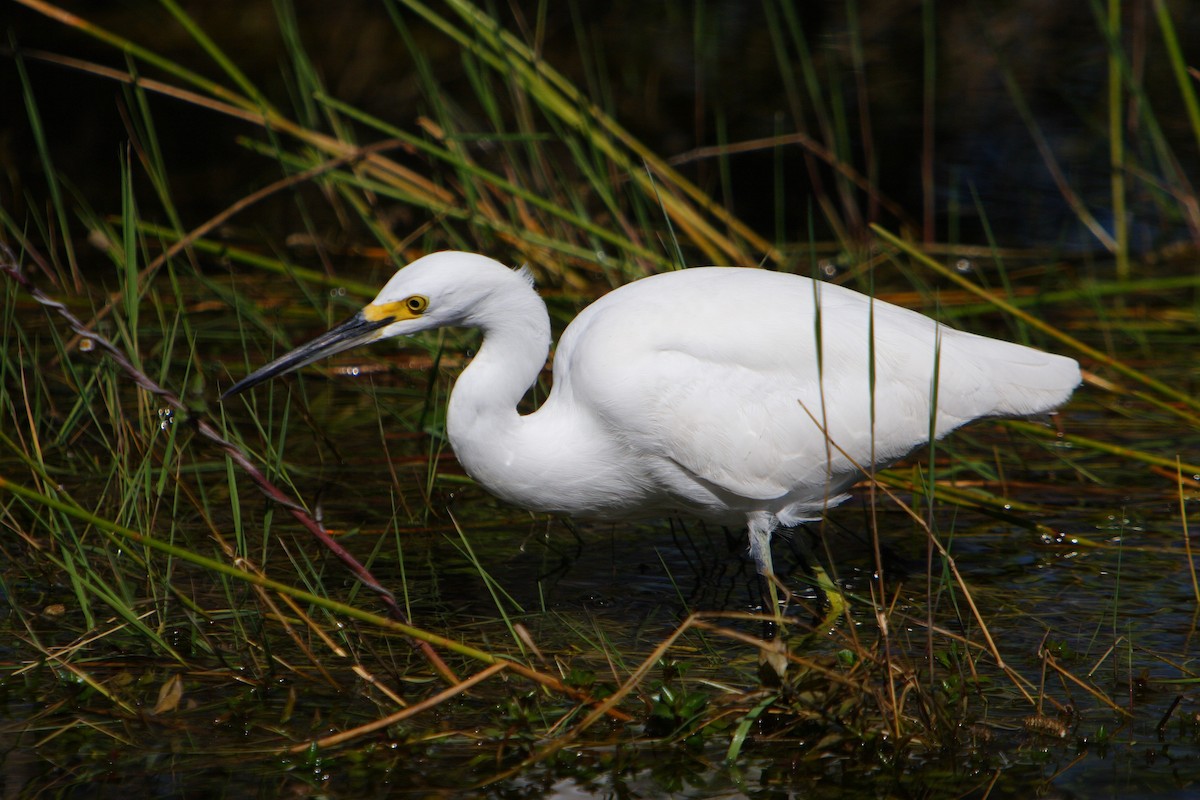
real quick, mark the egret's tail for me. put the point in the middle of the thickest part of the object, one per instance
(1019, 380)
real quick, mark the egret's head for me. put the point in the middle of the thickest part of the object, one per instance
(441, 290)
(435, 291)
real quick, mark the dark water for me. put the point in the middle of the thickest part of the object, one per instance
(1111, 597)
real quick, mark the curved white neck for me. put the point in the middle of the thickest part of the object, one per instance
(557, 459)
(482, 417)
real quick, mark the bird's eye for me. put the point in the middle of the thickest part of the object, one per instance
(416, 304)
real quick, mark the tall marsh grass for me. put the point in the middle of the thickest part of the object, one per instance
(148, 580)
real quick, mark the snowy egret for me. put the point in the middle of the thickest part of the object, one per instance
(740, 396)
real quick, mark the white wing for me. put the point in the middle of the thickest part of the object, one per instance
(716, 380)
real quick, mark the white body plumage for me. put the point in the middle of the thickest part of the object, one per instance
(707, 391)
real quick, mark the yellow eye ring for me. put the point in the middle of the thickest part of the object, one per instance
(416, 304)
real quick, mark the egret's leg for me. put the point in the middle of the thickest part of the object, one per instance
(760, 525)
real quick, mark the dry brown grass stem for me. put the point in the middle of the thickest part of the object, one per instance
(400, 716)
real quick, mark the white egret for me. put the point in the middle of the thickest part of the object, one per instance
(718, 392)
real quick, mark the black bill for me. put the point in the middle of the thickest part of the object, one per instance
(357, 330)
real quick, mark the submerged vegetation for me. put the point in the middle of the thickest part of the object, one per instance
(1009, 611)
